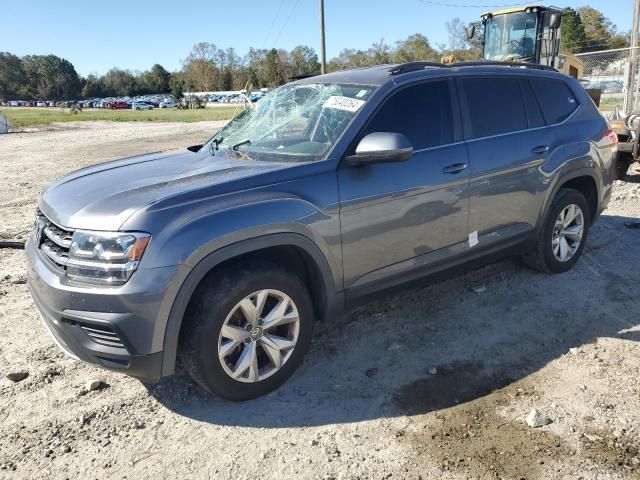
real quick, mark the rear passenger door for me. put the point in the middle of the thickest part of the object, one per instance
(507, 142)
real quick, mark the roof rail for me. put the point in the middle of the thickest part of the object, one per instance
(413, 67)
(416, 66)
(485, 63)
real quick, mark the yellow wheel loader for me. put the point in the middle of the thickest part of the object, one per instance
(531, 34)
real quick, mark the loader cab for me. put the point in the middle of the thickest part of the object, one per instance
(527, 34)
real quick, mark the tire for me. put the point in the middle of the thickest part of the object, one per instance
(215, 304)
(622, 166)
(542, 257)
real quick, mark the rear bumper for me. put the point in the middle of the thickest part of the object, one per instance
(120, 328)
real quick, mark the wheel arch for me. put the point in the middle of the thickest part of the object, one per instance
(286, 249)
(586, 182)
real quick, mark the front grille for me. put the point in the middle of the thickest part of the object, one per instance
(52, 240)
(103, 335)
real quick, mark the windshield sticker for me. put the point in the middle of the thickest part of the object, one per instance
(362, 93)
(343, 103)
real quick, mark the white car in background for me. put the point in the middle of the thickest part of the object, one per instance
(141, 106)
(168, 104)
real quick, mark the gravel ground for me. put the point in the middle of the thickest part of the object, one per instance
(435, 382)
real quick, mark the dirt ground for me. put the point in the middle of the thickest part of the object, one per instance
(431, 383)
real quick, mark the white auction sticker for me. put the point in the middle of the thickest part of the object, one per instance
(343, 103)
(473, 239)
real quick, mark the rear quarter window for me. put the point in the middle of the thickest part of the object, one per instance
(557, 100)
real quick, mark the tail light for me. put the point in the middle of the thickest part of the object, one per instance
(612, 137)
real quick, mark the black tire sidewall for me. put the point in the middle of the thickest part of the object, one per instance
(566, 197)
(211, 308)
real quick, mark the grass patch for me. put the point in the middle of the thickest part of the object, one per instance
(609, 103)
(21, 117)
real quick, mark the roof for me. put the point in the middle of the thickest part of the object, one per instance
(376, 75)
(380, 74)
(515, 10)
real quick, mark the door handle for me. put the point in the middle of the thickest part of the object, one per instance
(540, 150)
(454, 168)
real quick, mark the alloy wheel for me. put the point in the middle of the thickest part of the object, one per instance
(258, 336)
(567, 233)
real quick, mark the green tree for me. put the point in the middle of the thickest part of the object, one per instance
(270, 68)
(93, 87)
(176, 85)
(380, 52)
(415, 48)
(155, 80)
(573, 38)
(600, 32)
(118, 83)
(304, 61)
(50, 77)
(199, 67)
(12, 76)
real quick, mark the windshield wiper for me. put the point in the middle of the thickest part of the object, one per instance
(215, 145)
(240, 144)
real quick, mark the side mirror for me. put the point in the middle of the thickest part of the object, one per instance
(470, 32)
(555, 20)
(381, 147)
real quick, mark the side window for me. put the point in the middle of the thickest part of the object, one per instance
(534, 114)
(421, 112)
(495, 106)
(556, 99)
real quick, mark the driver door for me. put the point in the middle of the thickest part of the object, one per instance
(398, 216)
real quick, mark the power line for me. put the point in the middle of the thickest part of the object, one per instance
(273, 22)
(286, 22)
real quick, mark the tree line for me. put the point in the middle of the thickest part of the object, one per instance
(587, 30)
(210, 68)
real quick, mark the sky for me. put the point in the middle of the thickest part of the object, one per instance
(135, 34)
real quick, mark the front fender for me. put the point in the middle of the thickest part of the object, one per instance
(334, 299)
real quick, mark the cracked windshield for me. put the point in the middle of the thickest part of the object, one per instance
(299, 122)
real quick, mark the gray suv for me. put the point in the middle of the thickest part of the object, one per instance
(326, 191)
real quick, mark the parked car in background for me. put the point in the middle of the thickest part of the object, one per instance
(119, 105)
(168, 104)
(136, 105)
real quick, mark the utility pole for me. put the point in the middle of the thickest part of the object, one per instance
(632, 90)
(323, 58)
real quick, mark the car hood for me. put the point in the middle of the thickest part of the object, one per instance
(102, 197)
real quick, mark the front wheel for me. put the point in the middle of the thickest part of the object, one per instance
(563, 235)
(246, 330)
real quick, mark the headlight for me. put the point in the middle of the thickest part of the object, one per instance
(105, 257)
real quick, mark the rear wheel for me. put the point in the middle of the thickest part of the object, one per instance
(563, 235)
(246, 330)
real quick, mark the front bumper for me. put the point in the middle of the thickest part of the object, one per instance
(116, 327)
